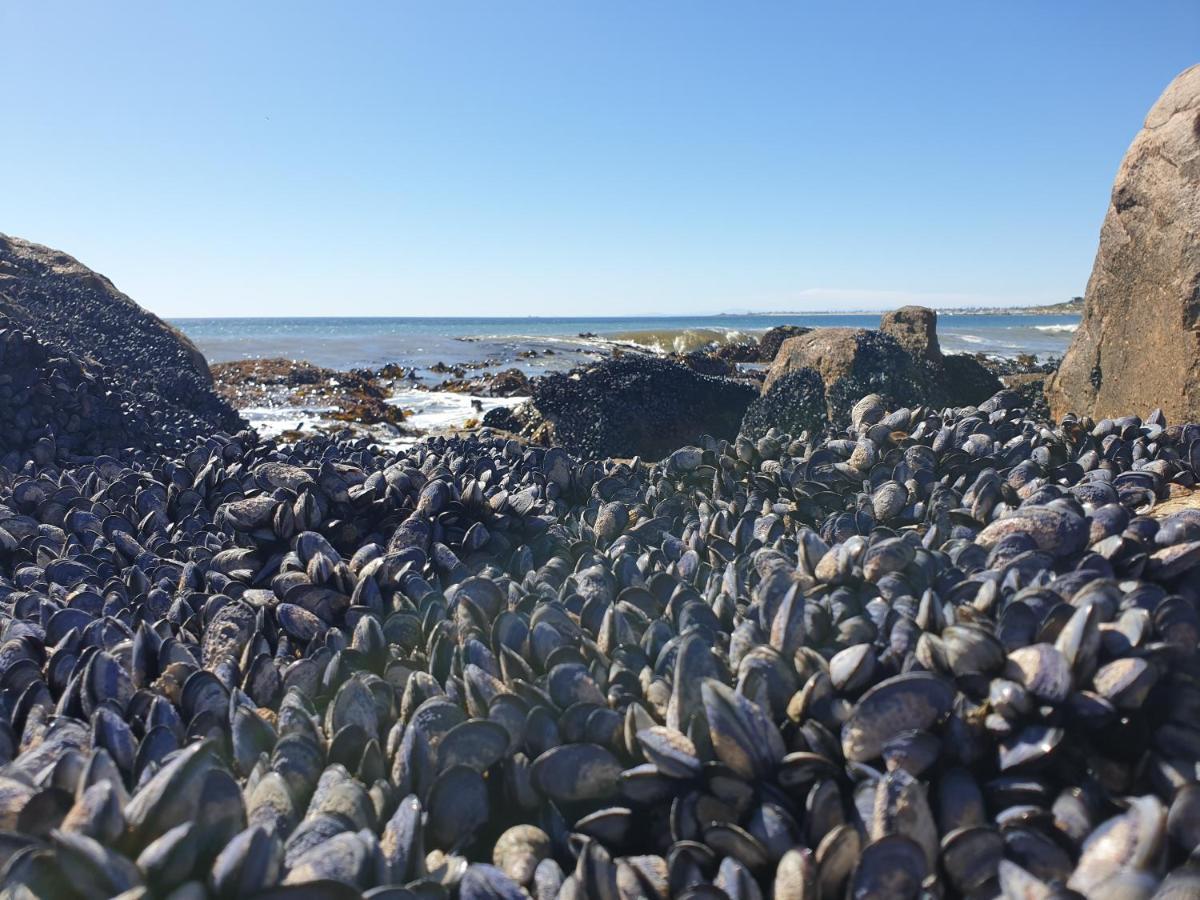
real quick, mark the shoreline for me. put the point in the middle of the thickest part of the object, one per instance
(397, 406)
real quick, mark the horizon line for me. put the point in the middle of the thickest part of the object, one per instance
(1009, 310)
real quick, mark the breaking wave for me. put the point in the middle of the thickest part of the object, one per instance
(683, 340)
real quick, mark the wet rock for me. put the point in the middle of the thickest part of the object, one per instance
(707, 363)
(356, 396)
(509, 383)
(502, 418)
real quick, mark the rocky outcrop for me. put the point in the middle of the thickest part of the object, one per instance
(902, 362)
(54, 406)
(140, 384)
(637, 405)
(1138, 345)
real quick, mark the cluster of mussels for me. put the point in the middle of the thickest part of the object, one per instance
(55, 405)
(937, 654)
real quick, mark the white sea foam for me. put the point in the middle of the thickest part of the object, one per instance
(437, 410)
(971, 338)
(272, 421)
(1058, 329)
(429, 411)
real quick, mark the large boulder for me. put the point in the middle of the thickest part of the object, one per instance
(915, 329)
(139, 384)
(636, 405)
(1138, 345)
(902, 362)
(852, 362)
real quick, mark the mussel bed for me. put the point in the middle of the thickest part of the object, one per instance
(942, 653)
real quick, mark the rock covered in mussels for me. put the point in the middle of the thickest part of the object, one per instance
(71, 307)
(85, 371)
(932, 654)
(638, 405)
(795, 404)
(851, 362)
(56, 405)
(902, 362)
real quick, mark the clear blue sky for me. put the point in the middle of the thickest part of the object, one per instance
(561, 157)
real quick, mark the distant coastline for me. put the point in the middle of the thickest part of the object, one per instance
(1072, 307)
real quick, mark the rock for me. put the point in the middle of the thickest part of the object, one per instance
(1032, 390)
(635, 405)
(85, 371)
(55, 406)
(707, 363)
(915, 329)
(852, 362)
(501, 418)
(353, 396)
(769, 343)
(794, 403)
(509, 383)
(1138, 345)
(961, 380)
(738, 351)
(68, 306)
(901, 362)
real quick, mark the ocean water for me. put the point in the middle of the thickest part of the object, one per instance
(541, 344)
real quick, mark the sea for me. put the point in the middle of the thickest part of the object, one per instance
(540, 345)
